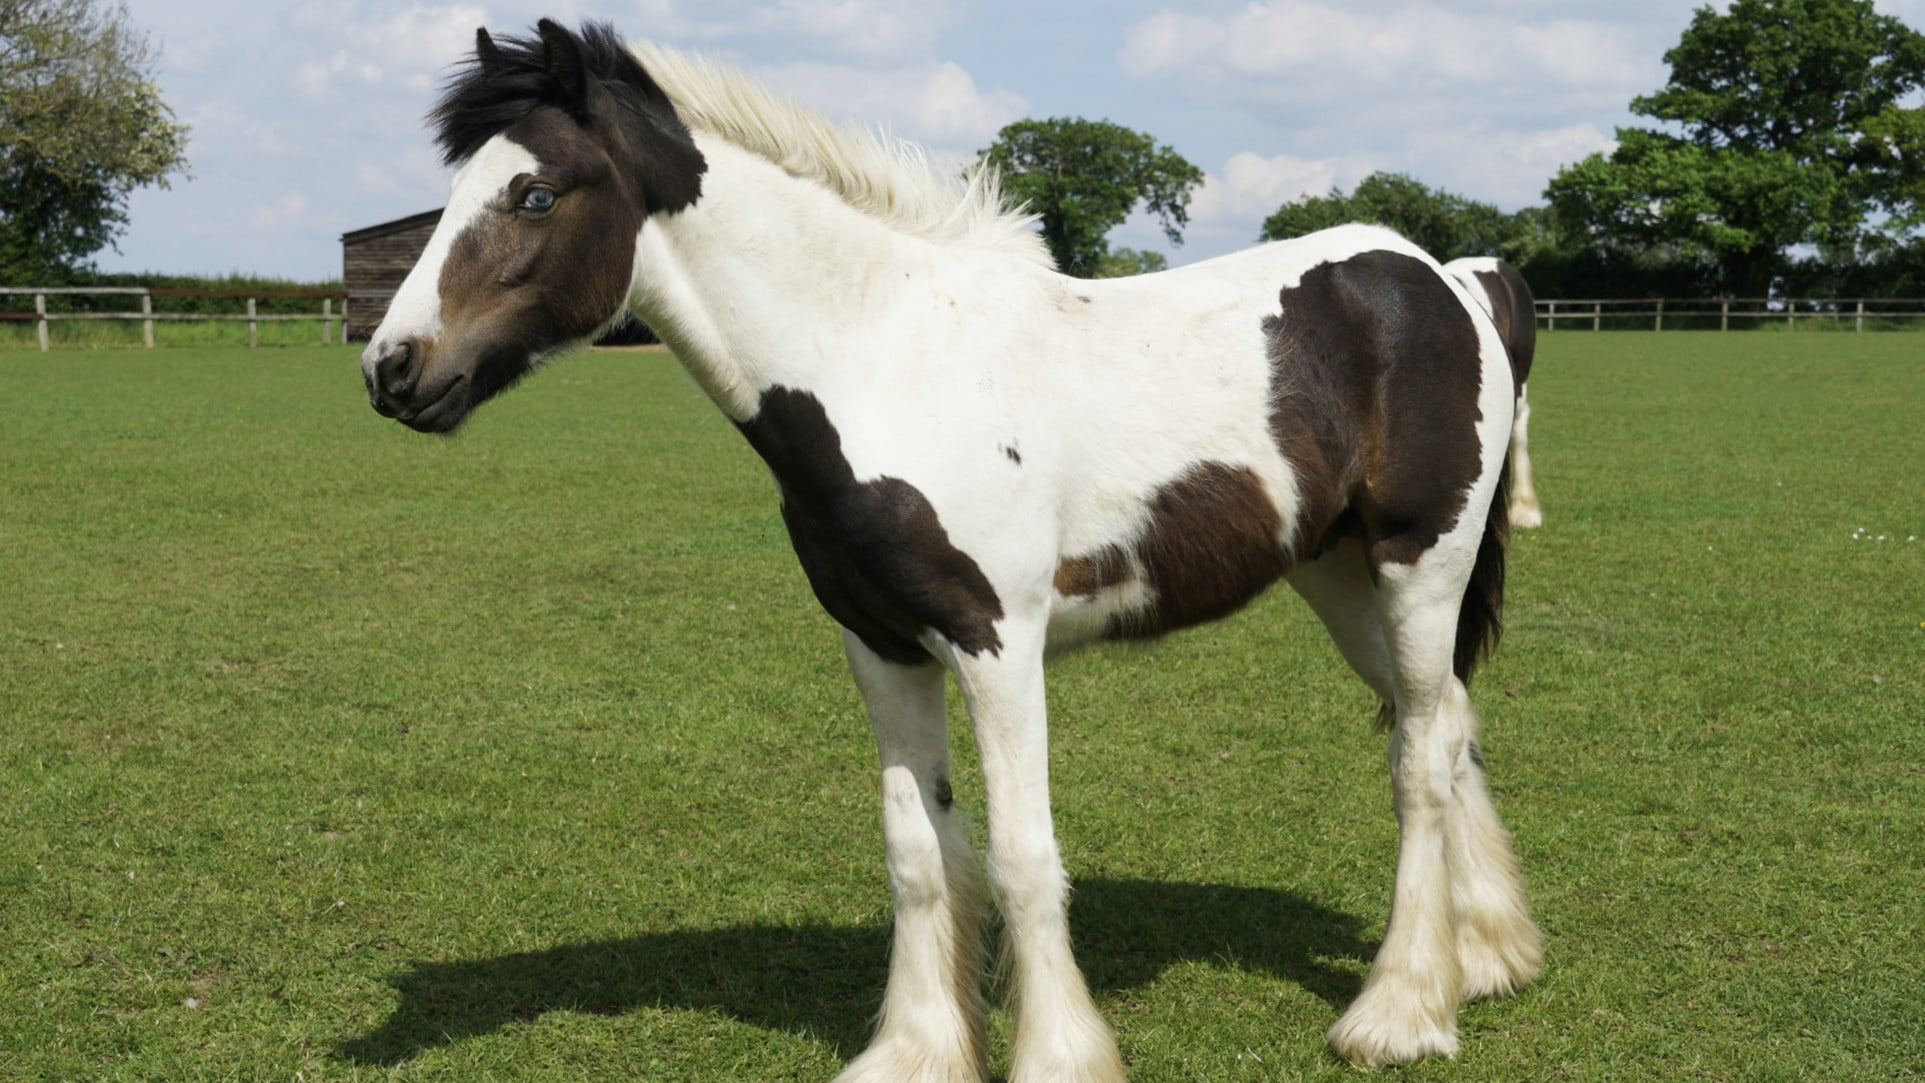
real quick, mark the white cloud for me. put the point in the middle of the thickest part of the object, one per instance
(1250, 187)
(288, 211)
(874, 30)
(1314, 55)
(408, 49)
(937, 103)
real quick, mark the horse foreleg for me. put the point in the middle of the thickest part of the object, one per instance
(1058, 1036)
(932, 1024)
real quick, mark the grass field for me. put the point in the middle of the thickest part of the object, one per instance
(331, 751)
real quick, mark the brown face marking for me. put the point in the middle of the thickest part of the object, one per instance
(1374, 386)
(875, 552)
(518, 283)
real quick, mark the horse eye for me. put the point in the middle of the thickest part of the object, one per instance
(538, 198)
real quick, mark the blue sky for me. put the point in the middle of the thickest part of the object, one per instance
(306, 118)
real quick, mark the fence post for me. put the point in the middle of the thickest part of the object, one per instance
(40, 309)
(1791, 308)
(1659, 326)
(1724, 315)
(147, 325)
(251, 325)
(1861, 317)
(1553, 315)
(327, 315)
(1597, 315)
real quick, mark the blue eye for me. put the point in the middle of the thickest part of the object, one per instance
(538, 198)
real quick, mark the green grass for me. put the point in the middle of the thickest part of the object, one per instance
(331, 751)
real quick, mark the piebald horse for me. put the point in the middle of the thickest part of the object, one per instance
(982, 462)
(1506, 298)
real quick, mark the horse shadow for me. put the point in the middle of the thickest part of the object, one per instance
(826, 981)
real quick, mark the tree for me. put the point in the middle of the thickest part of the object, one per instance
(82, 125)
(1788, 128)
(1445, 225)
(1124, 262)
(1084, 176)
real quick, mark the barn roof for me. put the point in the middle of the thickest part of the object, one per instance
(413, 221)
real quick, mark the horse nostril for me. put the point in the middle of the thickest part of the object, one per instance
(396, 370)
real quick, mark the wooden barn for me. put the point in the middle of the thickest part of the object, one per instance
(373, 263)
(376, 259)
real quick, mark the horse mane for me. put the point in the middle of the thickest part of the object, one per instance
(888, 178)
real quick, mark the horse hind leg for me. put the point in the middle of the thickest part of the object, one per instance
(1497, 946)
(932, 1028)
(1498, 949)
(1408, 1008)
(1524, 509)
(1458, 925)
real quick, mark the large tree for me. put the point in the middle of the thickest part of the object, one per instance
(82, 125)
(1445, 225)
(1084, 177)
(1787, 125)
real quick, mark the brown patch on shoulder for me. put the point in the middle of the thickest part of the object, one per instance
(875, 552)
(1375, 374)
(1213, 544)
(1082, 577)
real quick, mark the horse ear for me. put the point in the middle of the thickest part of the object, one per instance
(565, 65)
(485, 50)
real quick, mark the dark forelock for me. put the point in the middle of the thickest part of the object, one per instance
(485, 94)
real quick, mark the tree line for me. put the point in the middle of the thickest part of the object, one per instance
(1787, 157)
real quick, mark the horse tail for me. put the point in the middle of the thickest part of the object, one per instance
(1480, 619)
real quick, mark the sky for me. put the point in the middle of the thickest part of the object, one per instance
(306, 121)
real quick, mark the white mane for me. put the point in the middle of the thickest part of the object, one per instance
(890, 179)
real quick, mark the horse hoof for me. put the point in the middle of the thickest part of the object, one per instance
(897, 1062)
(1376, 1032)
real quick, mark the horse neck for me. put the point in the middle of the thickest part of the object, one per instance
(749, 284)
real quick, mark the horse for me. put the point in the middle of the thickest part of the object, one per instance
(982, 463)
(1506, 298)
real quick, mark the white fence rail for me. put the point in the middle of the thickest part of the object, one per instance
(1575, 314)
(327, 316)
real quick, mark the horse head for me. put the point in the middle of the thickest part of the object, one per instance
(565, 147)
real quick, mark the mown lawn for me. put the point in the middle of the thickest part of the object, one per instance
(331, 751)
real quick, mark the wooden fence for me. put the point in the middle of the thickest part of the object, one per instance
(327, 316)
(1700, 312)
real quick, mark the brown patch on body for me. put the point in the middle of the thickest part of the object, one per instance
(875, 552)
(1374, 386)
(1213, 543)
(1087, 576)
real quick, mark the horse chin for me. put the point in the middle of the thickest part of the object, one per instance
(445, 414)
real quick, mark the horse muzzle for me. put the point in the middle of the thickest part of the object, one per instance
(398, 387)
